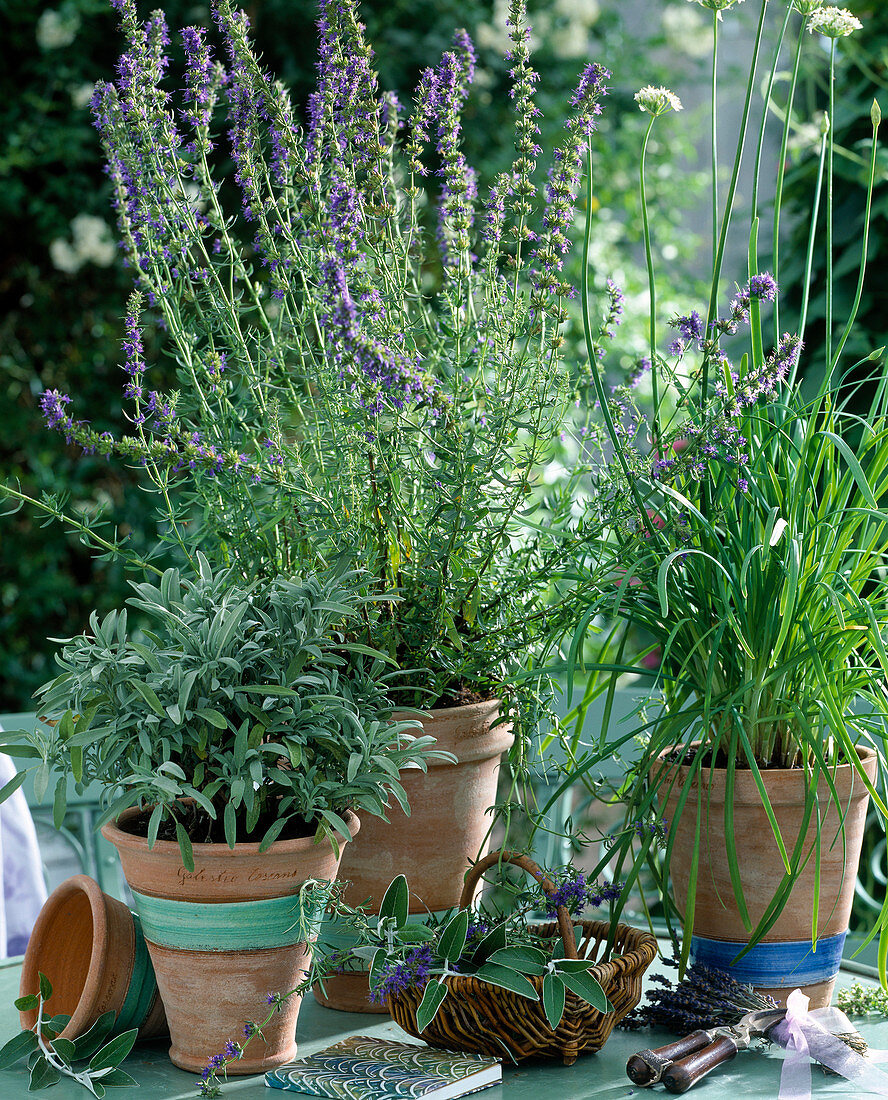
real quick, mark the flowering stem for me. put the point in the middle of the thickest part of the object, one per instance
(829, 205)
(90, 536)
(876, 117)
(781, 171)
(652, 290)
(729, 204)
(809, 263)
(756, 176)
(594, 366)
(714, 131)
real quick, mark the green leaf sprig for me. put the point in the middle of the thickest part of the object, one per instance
(89, 1059)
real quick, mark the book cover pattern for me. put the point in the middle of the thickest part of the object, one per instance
(364, 1068)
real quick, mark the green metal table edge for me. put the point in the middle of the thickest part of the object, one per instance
(597, 1075)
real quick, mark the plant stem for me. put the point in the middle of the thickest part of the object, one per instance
(714, 134)
(729, 202)
(827, 336)
(809, 262)
(756, 176)
(86, 531)
(590, 349)
(781, 172)
(876, 117)
(652, 290)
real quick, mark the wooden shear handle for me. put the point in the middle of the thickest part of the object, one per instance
(682, 1074)
(648, 1066)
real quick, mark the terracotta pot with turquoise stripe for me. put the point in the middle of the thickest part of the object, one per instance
(787, 957)
(224, 936)
(91, 948)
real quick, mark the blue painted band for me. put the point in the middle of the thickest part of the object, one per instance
(773, 964)
(226, 926)
(142, 988)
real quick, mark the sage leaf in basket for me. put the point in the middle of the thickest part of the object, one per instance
(526, 960)
(453, 937)
(495, 940)
(587, 988)
(554, 996)
(506, 978)
(396, 902)
(435, 992)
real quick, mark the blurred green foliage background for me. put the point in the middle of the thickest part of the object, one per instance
(862, 73)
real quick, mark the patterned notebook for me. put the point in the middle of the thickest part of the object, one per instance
(364, 1068)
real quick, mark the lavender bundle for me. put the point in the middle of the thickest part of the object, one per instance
(704, 998)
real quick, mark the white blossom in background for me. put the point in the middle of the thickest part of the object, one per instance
(92, 243)
(564, 26)
(807, 7)
(571, 39)
(686, 32)
(495, 34)
(81, 94)
(55, 29)
(834, 22)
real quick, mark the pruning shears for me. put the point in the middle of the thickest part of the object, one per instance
(681, 1064)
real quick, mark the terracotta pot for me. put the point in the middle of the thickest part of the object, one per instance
(91, 948)
(223, 936)
(447, 830)
(785, 959)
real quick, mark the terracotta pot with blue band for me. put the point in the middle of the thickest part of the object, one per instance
(787, 958)
(91, 948)
(224, 936)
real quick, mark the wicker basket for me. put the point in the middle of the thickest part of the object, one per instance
(486, 1019)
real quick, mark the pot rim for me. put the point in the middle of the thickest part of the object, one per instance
(111, 831)
(443, 712)
(784, 782)
(864, 752)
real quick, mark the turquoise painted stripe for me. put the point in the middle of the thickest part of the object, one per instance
(142, 987)
(773, 964)
(228, 926)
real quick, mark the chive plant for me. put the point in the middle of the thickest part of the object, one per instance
(749, 544)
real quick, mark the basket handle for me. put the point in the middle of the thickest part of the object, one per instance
(473, 877)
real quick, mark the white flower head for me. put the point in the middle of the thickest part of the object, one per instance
(834, 22)
(656, 101)
(717, 6)
(584, 12)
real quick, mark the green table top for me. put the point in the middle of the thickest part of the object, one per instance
(601, 1075)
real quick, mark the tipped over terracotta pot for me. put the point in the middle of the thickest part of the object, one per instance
(91, 948)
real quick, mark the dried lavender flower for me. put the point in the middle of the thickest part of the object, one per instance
(704, 998)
